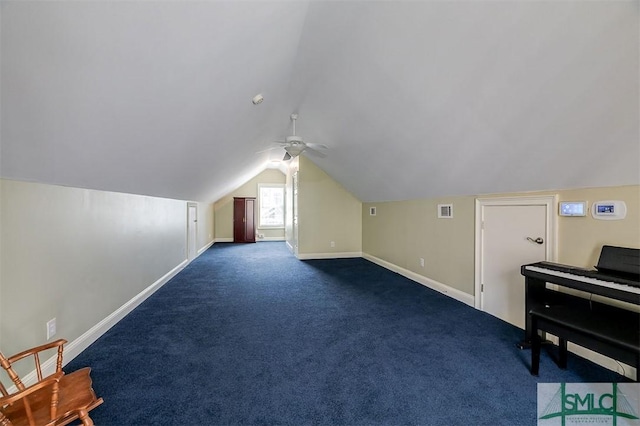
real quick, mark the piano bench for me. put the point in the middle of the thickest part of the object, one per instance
(610, 331)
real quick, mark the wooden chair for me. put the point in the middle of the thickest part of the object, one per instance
(57, 399)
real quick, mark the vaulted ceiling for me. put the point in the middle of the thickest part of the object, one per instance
(415, 99)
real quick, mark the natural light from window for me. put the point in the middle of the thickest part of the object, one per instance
(271, 199)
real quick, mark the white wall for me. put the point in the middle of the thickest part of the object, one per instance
(78, 255)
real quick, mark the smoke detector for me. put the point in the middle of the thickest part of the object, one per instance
(257, 99)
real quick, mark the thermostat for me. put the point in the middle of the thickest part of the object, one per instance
(573, 208)
(609, 210)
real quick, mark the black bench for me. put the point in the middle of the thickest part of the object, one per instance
(608, 330)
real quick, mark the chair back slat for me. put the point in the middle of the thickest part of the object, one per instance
(4, 421)
(36, 360)
(7, 363)
(3, 390)
(57, 399)
(59, 360)
(12, 374)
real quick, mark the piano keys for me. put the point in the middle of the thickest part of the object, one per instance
(597, 284)
(598, 280)
(617, 277)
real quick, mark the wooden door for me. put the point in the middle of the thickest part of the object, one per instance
(244, 230)
(238, 220)
(249, 223)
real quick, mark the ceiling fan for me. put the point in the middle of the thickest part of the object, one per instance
(295, 145)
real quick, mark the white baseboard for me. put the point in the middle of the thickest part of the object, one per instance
(205, 248)
(338, 255)
(604, 361)
(74, 348)
(595, 357)
(427, 282)
(230, 240)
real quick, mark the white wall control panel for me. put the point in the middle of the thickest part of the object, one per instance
(609, 210)
(573, 208)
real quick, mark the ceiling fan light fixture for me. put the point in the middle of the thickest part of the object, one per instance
(294, 145)
(294, 150)
(294, 140)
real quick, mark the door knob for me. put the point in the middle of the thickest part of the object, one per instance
(537, 240)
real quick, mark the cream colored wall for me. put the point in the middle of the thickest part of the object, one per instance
(206, 221)
(327, 212)
(224, 206)
(404, 231)
(580, 238)
(78, 255)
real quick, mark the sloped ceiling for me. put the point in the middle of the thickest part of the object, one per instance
(414, 99)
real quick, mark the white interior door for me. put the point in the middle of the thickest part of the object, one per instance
(294, 213)
(511, 235)
(192, 231)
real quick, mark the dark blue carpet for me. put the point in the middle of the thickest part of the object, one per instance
(247, 334)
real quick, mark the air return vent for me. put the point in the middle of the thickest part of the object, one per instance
(445, 211)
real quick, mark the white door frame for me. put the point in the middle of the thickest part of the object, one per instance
(294, 212)
(191, 226)
(551, 204)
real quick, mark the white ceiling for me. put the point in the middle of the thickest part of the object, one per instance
(414, 99)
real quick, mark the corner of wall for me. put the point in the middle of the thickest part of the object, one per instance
(330, 217)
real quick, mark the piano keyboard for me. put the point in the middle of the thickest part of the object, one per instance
(589, 280)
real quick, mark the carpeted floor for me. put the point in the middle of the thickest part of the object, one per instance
(249, 335)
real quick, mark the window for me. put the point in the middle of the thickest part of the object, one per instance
(271, 199)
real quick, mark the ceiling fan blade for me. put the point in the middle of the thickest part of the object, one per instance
(316, 146)
(315, 153)
(287, 157)
(272, 146)
(268, 149)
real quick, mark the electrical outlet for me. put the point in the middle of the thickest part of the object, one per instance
(51, 328)
(333, 243)
(422, 262)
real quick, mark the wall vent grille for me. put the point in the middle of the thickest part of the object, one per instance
(445, 211)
